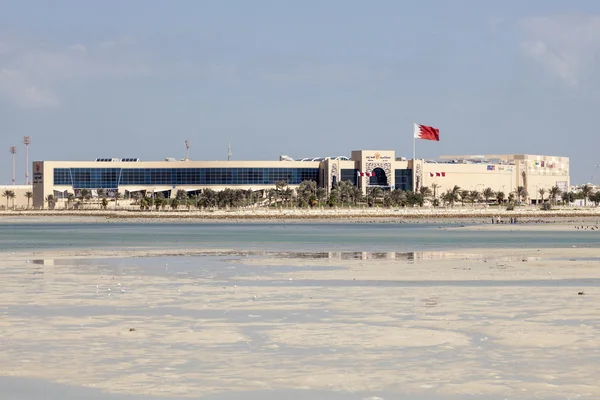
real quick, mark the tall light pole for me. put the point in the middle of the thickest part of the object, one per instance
(27, 142)
(187, 150)
(13, 151)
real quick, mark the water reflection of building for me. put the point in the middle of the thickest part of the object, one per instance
(391, 255)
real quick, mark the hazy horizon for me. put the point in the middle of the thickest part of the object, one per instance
(137, 78)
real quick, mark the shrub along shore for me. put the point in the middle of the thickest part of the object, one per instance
(431, 214)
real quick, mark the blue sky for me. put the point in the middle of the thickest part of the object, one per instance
(136, 78)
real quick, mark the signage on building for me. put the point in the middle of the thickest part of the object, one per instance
(378, 156)
(38, 172)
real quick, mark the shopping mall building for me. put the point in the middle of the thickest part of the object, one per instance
(363, 168)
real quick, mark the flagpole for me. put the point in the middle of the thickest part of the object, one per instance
(414, 157)
(414, 142)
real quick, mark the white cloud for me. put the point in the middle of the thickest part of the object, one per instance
(31, 74)
(565, 45)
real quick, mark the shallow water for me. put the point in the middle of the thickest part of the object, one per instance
(278, 237)
(283, 313)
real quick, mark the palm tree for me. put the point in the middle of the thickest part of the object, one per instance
(554, 193)
(464, 196)
(567, 197)
(521, 193)
(511, 197)
(500, 197)
(118, 195)
(449, 197)
(474, 196)
(8, 194)
(425, 192)
(488, 193)
(434, 186)
(542, 192)
(85, 195)
(29, 196)
(321, 194)
(51, 201)
(376, 192)
(70, 198)
(584, 192)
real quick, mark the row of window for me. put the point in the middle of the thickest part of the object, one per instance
(112, 178)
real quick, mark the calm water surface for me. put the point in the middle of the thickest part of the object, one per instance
(278, 236)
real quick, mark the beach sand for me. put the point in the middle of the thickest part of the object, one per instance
(488, 323)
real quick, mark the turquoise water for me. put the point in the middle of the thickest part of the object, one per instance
(279, 236)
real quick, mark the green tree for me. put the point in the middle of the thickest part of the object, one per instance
(181, 194)
(85, 195)
(568, 197)
(488, 193)
(435, 186)
(554, 193)
(321, 194)
(542, 192)
(174, 203)
(595, 198)
(500, 197)
(101, 195)
(425, 192)
(373, 193)
(28, 196)
(306, 193)
(521, 193)
(51, 201)
(271, 194)
(474, 196)
(450, 197)
(9, 194)
(104, 203)
(584, 193)
(118, 196)
(70, 199)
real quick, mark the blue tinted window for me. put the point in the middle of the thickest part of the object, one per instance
(403, 179)
(111, 178)
(349, 175)
(62, 176)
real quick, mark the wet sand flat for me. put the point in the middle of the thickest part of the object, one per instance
(488, 323)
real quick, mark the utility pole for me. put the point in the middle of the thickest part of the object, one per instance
(229, 154)
(187, 150)
(13, 151)
(27, 142)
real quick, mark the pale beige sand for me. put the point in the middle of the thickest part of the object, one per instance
(520, 342)
(295, 214)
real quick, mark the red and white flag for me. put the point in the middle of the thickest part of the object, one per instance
(366, 173)
(427, 132)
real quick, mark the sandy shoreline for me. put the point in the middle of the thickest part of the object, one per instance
(526, 221)
(498, 322)
(337, 214)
